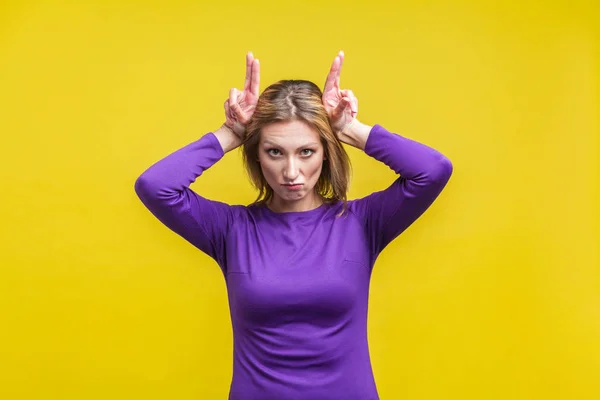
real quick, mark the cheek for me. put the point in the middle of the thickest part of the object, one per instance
(269, 170)
(313, 169)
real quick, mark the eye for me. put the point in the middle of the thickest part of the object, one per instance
(273, 152)
(307, 152)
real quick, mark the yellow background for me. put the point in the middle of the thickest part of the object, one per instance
(493, 294)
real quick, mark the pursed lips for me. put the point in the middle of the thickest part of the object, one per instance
(293, 185)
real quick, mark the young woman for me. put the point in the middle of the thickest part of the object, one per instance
(298, 261)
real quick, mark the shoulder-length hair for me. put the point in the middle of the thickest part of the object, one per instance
(289, 100)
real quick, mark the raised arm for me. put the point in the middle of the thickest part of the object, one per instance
(164, 188)
(423, 170)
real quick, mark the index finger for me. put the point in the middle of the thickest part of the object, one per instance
(255, 79)
(333, 78)
(249, 60)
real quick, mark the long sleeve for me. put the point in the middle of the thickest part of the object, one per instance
(164, 189)
(423, 172)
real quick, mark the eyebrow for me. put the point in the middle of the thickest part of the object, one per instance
(266, 142)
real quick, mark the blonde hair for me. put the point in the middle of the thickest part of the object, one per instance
(289, 100)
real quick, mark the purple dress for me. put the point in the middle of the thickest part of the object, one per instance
(297, 282)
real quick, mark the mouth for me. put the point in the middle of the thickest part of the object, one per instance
(296, 186)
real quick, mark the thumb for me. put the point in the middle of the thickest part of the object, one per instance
(339, 109)
(235, 107)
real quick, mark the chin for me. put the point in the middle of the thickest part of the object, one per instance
(293, 196)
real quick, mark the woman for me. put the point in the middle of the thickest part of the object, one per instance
(298, 261)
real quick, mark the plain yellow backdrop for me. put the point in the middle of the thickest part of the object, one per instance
(493, 294)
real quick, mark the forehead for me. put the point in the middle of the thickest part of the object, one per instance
(289, 132)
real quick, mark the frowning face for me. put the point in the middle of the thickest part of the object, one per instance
(291, 158)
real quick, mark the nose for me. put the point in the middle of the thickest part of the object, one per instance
(291, 170)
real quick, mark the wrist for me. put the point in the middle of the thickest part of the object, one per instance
(228, 139)
(355, 134)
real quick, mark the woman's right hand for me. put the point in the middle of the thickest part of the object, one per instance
(241, 105)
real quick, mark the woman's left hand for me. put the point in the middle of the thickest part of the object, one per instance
(341, 105)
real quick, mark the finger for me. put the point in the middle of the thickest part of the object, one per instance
(255, 80)
(234, 105)
(346, 93)
(339, 109)
(227, 111)
(249, 62)
(350, 95)
(351, 106)
(334, 73)
(339, 71)
(233, 102)
(353, 101)
(233, 97)
(237, 113)
(354, 106)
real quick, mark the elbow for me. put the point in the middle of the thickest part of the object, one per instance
(144, 187)
(443, 170)
(140, 186)
(151, 188)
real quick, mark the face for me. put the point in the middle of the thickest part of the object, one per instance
(291, 158)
